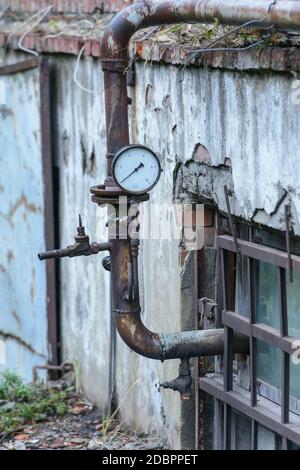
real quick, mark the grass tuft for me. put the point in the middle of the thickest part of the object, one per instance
(27, 403)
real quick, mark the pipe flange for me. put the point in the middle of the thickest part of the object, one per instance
(104, 195)
(163, 347)
(115, 65)
(134, 311)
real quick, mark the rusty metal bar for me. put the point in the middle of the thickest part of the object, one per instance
(285, 362)
(254, 435)
(253, 315)
(227, 193)
(263, 413)
(46, 141)
(21, 66)
(260, 252)
(287, 209)
(227, 427)
(260, 331)
(64, 368)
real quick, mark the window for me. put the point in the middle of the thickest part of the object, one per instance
(259, 301)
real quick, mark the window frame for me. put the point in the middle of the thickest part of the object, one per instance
(278, 418)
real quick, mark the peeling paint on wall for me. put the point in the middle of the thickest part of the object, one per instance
(248, 125)
(23, 290)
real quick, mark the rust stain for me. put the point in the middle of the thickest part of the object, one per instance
(167, 101)
(13, 337)
(139, 47)
(183, 256)
(15, 315)
(6, 112)
(7, 219)
(32, 292)
(32, 288)
(149, 94)
(23, 201)
(10, 256)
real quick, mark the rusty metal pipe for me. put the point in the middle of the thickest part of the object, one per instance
(184, 344)
(282, 14)
(261, 13)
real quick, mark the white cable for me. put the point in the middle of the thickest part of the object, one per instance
(75, 74)
(43, 13)
(68, 28)
(22, 25)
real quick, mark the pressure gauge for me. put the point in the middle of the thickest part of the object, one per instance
(136, 169)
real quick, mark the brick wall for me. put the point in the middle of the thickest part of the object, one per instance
(67, 6)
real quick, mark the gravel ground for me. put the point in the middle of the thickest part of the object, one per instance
(80, 429)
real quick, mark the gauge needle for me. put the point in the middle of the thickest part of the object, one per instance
(136, 169)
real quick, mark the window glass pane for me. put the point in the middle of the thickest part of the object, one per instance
(269, 365)
(269, 358)
(295, 382)
(242, 297)
(293, 305)
(241, 432)
(268, 309)
(292, 446)
(266, 439)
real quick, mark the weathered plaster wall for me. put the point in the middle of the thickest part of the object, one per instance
(248, 124)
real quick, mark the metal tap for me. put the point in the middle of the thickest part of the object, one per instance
(81, 247)
(183, 382)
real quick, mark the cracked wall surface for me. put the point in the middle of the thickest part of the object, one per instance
(226, 127)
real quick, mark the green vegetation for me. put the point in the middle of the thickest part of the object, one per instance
(22, 403)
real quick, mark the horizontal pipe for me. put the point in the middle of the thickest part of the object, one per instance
(181, 345)
(284, 14)
(60, 253)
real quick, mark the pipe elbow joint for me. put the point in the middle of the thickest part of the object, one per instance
(181, 345)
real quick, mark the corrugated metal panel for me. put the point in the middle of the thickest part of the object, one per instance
(23, 279)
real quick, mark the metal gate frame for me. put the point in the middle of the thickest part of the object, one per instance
(278, 419)
(42, 64)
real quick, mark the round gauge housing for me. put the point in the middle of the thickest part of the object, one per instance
(136, 169)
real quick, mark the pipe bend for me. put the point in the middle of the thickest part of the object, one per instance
(283, 14)
(179, 345)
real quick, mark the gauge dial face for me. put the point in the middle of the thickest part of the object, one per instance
(136, 169)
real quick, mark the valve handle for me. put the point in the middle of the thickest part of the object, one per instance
(81, 247)
(61, 253)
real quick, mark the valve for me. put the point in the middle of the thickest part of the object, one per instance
(81, 247)
(106, 263)
(183, 382)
